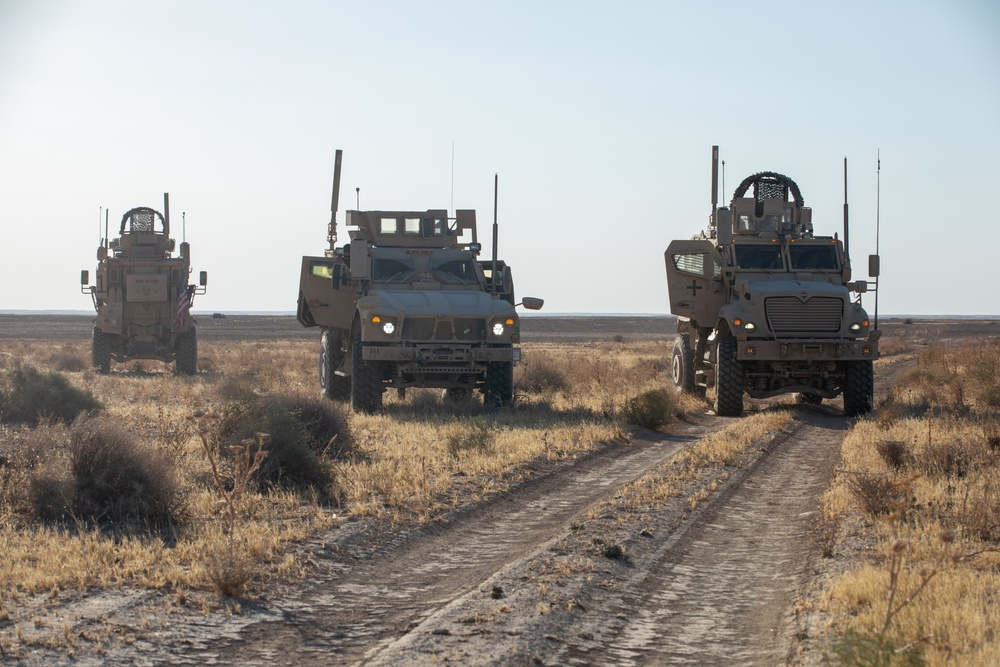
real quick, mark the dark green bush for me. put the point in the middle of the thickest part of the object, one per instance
(652, 409)
(34, 396)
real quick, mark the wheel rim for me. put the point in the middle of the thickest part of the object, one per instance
(676, 369)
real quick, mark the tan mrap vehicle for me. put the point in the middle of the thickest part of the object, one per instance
(408, 303)
(142, 295)
(765, 307)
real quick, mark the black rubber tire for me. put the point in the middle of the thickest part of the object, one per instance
(728, 380)
(331, 356)
(498, 391)
(859, 388)
(186, 362)
(366, 379)
(100, 351)
(682, 366)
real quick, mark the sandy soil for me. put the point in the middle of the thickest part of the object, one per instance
(520, 578)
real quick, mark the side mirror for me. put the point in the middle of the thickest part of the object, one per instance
(873, 266)
(337, 276)
(532, 303)
(85, 277)
(203, 278)
(859, 286)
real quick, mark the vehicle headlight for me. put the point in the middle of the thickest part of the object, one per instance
(498, 329)
(855, 327)
(388, 327)
(749, 327)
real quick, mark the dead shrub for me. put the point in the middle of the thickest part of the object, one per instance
(990, 395)
(69, 360)
(303, 432)
(475, 435)
(117, 481)
(652, 409)
(894, 452)
(879, 494)
(947, 459)
(34, 396)
(540, 374)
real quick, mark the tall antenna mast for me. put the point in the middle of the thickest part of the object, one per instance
(878, 205)
(331, 230)
(452, 175)
(847, 242)
(183, 226)
(493, 271)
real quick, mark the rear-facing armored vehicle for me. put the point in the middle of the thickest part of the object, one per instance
(142, 295)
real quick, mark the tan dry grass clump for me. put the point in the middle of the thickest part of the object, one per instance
(924, 472)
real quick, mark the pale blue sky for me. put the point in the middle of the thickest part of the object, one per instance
(598, 117)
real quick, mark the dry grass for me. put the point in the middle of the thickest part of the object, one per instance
(924, 472)
(418, 458)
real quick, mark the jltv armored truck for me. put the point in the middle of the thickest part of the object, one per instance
(142, 296)
(408, 303)
(765, 307)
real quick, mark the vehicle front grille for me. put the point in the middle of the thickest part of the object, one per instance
(418, 328)
(470, 328)
(788, 314)
(429, 328)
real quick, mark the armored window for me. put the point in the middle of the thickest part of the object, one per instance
(766, 257)
(454, 270)
(690, 263)
(813, 257)
(411, 226)
(387, 270)
(387, 225)
(321, 269)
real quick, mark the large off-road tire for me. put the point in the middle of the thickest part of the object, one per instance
(498, 391)
(366, 379)
(186, 362)
(859, 388)
(100, 351)
(728, 380)
(331, 356)
(682, 366)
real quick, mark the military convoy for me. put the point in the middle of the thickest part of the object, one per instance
(408, 303)
(142, 296)
(765, 307)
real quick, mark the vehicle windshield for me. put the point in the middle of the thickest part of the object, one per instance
(767, 257)
(813, 257)
(454, 271)
(388, 270)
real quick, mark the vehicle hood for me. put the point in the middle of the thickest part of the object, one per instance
(420, 303)
(804, 289)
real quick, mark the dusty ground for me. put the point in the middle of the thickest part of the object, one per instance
(519, 578)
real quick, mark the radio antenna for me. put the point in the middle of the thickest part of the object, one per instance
(493, 271)
(452, 175)
(184, 228)
(878, 206)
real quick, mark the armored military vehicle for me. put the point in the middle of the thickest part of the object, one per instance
(408, 303)
(142, 296)
(765, 307)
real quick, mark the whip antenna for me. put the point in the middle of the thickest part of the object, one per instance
(878, 187)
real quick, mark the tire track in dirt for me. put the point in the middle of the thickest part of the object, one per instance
(357, 607)
(721, 589)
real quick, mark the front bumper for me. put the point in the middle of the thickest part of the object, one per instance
(807, 350)
(440, 354)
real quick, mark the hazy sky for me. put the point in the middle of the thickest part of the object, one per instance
(599, 118)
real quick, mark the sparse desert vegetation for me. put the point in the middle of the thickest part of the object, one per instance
(916, 576)
(144, 478)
